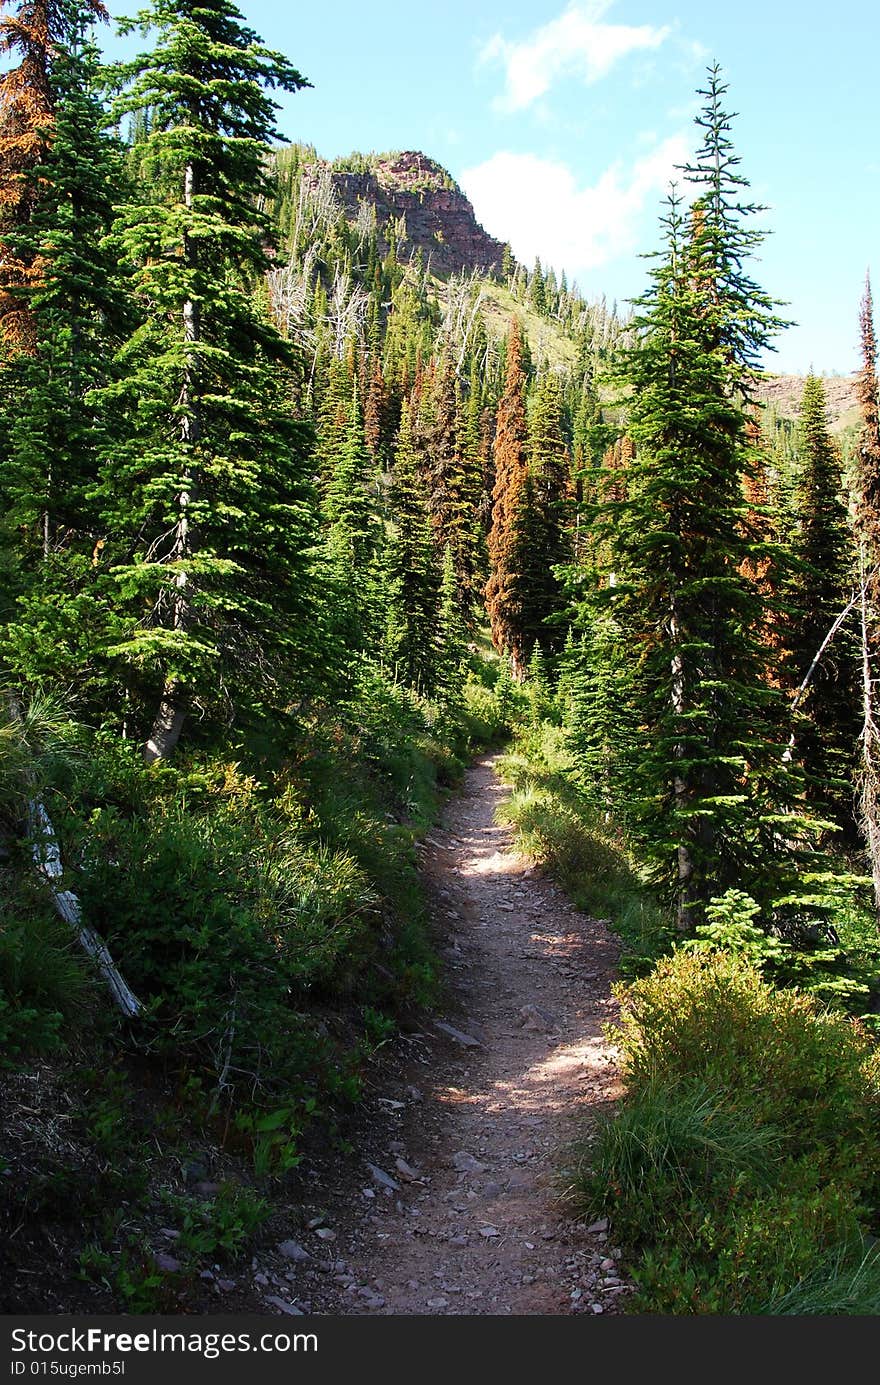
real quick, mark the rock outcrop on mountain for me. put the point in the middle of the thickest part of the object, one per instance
(438, 218)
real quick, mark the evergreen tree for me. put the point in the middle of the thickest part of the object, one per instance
(476, 433)
(677, 544)
(506, 595)
(413, 597)
(602, 715)
(442, 462)
(828, 730)
(551, 546)
(204, 487)
(451, 663)
(867, 488)
(350, 499)
(52, 428)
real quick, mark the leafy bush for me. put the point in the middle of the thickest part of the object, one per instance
(734, 1259)
(222, 1225)
(224, 923)
(811, 1071)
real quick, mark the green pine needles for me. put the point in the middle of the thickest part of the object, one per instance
(205, 485)
(705, 783)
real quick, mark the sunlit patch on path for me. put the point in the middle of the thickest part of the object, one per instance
(507, 1078)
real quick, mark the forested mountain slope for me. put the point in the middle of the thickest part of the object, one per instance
(307, 490)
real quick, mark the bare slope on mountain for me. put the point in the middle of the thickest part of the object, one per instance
(783, 393)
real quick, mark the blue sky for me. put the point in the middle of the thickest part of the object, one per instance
(563, 123)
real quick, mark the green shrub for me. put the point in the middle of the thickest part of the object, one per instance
(808, 1070)
(46, 984)
(747, 1147)
(224, 923)
(734, 1258)
(222, 1225)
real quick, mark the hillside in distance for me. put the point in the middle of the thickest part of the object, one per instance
(413, 209)
(782, 395)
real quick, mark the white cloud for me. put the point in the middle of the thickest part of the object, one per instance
(576, 43)
(537, 205)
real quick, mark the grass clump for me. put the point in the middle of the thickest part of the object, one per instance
(848, 1283)
(746, 1151)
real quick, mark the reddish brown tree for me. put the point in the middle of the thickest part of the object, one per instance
(29, 31)
(868, 531)
(868, 472)
(505, 601)
(26, 121)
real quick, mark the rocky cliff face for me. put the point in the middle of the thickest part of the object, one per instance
(438, 217)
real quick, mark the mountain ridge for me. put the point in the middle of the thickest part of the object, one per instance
(439, 218)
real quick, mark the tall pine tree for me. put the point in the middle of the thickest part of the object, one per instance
(678, 545)
(204, 487)
(828, 708)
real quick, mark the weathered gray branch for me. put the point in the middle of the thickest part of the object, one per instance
(47, 856)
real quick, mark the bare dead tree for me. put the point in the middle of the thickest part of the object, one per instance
(290, 291)
(462, 313)
(317, 206)
(365, 222)
(346, 312)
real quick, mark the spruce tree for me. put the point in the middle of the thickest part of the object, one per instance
(452, 635)
(204, 488)
(551, 546)
(52, 427)
(828, 709)
(867, 487)
(677, 545)
(413, 576)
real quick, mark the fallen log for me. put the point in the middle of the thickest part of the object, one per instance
(47, 857)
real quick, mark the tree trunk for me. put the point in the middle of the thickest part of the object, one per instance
(167, 725)
(172, 710)
(681, 790)
(47, 857)
(870, 775)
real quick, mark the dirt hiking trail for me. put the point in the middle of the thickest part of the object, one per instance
(462, 1211)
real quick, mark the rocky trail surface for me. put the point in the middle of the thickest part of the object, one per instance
(459, 1207)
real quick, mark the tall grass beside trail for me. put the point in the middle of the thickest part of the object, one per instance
(556, 825)
(742, 1170)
